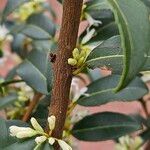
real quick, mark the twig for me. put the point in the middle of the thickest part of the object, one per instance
(31, 106)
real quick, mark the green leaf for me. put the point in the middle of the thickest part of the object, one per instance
(43, 22)
(22, 145)
(31, 31)
(132, 18)
(145, 135)
(94, 74)
(96, 5)
(102, 33)
(146, 2)
(11, 5)
(102, 91)
(18, 45)
(7, 142)
(99, 10)
(8, 100)
(98, 127)
(47, 146)
(3, 133)
(109, 54)
(35, 74)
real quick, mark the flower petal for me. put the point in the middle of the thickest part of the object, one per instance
(51, 141)
(51, 122)
(64, 145)
(36, 125)
(40, 139)
(26, 134)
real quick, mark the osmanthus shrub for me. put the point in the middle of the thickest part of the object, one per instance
(40, 94)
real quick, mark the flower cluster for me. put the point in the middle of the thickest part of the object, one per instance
(33, 6)
(79, 57)
(129, 143)
(38, 132)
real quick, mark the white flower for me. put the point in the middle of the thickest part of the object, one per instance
(92, 21)
(129, 143)
(51, 122)
(36, 125)
(40, 139)
(22, 132)
(51, 140)
(88, 36)
(75, 91)
(3, 32)
(64, 145)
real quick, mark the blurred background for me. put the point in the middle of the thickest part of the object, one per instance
(10, 59)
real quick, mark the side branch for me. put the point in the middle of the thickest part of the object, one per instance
(32, 105)
(62, 71)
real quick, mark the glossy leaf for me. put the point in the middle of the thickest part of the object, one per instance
(11, 5)
(99, 10)
(102, 91)
(3, 133)
(102, 33)
(6, 140)
(98, 127)
(109, 55)
(36, 74)
(8, 100)
(47, 146)
(18, 45)
(132, 16)
(27, 144)
(31, 31)
(43, 22)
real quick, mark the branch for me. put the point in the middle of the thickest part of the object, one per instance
(63, 71)
(31, 106)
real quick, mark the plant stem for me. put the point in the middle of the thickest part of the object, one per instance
(5, 83)
(31, 106)
(62, 71)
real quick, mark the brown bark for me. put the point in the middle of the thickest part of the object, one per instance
(63, 71)
(31, 106)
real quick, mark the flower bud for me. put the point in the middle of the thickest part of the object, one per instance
(15, 129)
(36, 125)
(26, 134)
(72, 61)
(64, 145)
(40, 139)
(76, 54)
(83, 54)
(51, 141)
(22, 132)
(81, 61)
(22, 98)
(51, 122)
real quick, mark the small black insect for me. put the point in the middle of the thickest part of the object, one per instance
(52, 57)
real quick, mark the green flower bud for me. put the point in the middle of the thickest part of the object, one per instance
(22, 98)
(72, 61)
(81, 61)
(83, 54)
(76, 54)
